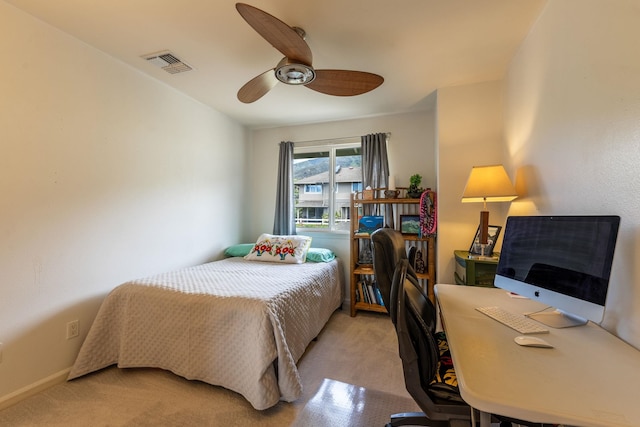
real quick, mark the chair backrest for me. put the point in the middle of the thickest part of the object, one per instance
(418, 347)
(388, 250)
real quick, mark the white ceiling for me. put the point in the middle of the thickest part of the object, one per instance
(416, 45)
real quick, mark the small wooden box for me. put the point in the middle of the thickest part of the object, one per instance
(367, 194)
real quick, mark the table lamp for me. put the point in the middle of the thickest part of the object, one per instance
(488, 184)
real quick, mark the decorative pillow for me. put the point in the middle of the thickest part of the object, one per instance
(283, 249)
(320, 255)
(239, 250)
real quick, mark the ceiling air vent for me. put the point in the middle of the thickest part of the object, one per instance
(168, 62)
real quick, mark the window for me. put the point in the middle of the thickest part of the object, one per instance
(318, 192)
(313, 188)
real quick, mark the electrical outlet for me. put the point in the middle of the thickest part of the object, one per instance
(73, 329)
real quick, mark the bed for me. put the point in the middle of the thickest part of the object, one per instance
(236, 323)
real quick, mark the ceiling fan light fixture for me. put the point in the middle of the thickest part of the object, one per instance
(294, 74)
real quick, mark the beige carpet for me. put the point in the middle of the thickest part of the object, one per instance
(360, 352)
(340, 404)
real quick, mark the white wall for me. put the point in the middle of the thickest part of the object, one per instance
(411, 150)
(105, 175)
(572, 129)
(469, 121)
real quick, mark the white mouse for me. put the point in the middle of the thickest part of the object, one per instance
(530, 341)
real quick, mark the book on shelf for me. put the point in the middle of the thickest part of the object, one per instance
(372, 294)
(369, 293)
(364, 294)
(378, 294)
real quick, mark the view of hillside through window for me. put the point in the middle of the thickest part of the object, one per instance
(318, 193)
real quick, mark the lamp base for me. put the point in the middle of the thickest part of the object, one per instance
(484, 227)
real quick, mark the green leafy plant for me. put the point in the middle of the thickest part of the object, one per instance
(414, 185)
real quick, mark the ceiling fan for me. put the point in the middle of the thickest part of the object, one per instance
(295, 68)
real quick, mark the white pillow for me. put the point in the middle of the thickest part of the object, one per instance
(283, 249)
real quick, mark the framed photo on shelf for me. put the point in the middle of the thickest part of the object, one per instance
(476, 248)
(410, 224)
(369, 224)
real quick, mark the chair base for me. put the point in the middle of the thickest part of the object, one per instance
(420, 419)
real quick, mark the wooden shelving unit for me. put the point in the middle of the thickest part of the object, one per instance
(364, 270)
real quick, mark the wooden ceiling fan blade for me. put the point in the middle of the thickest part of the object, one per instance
(344, 82)
(280, 35)
(257, 87)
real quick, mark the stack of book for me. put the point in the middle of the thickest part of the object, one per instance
(368, 292)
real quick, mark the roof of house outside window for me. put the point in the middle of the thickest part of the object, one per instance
(350, 174)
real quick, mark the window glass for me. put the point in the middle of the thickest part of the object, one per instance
(318, 193)
(313, 188)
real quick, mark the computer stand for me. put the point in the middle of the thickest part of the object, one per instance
(558, 319)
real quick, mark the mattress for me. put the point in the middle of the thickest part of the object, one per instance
(239, 324)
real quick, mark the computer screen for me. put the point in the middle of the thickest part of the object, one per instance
(562, 261)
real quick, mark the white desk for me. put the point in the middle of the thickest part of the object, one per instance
(590, 378)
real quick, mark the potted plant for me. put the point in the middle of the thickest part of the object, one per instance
(414, 191)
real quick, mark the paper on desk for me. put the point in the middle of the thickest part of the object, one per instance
(514, 295)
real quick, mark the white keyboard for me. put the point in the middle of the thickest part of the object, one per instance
(522, 324)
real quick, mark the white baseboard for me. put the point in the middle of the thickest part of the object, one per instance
(31, 389)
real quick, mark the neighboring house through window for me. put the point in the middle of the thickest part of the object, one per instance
(317, 192)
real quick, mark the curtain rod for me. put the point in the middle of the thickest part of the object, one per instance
(343, 139)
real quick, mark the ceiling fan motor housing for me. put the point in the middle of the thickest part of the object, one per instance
(293, 73)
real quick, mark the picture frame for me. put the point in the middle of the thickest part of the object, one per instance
(369, 224)
(476, 248)
(410, 225)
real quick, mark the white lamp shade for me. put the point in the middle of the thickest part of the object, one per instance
(488, 184)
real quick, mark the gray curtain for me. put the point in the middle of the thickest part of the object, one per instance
(375, 167)
(284, 220)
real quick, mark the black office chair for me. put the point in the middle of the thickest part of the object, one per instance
(388, 250)
(432, 385)
(428, 371)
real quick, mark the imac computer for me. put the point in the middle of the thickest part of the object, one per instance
(562, 261)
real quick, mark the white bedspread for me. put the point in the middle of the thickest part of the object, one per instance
(224, 323)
